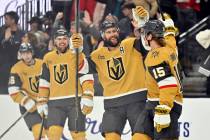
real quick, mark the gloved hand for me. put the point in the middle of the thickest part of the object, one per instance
(162, 117)
(170, 29)
(140, 15)
(42, 107)
(76, 41)
(28, 103)
(86, 103)
(203, 38)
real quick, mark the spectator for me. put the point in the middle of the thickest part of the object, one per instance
(64, 6)
(85, 5)
(125, 25)
(187, 13)
(48, 21)
(41, 37)
(10, 39)
(106, 7)
(35, 24)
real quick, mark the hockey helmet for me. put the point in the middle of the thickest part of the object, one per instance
(61, 31)
(26, 47)
(155, 27)
(108, 24)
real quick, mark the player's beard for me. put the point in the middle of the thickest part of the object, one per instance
(62, 49)
(110, 43)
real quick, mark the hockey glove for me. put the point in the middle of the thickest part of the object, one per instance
(28, 103)
(76, 41)
(170, 29)
(42, 107)
(140, 15)
(203, 38)
(162, 117)
(86, 103)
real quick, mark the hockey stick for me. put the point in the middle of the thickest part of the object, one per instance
(13, 124)
(41, 129)
(160, 10)
(77, 63)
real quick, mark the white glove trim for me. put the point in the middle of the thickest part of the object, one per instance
(86, 102)
(162, 119)
(29, 104)
(42, 109)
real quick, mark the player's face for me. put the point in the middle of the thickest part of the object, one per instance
(27, 57)
(61, 43)
(112, 35)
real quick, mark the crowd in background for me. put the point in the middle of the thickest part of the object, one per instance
(185, 14)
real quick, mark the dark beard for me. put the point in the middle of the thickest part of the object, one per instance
(108, 43)
(62, 50)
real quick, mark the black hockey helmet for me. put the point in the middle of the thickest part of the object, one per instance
(108, 24)
(155, 27)
(60, 31)
(26, 47)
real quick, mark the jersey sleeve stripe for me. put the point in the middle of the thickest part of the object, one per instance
(44, 87)
(44, 83)
(167, 86)
(13, 90)
(167, 81)
(84, 67)
(13, 94)
(87, 77)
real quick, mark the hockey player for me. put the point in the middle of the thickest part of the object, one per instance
(159, 120)
(23, 87)
(57, 87)
(121, 72)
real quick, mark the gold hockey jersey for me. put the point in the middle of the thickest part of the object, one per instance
(162, 78)
(121, 73)
(24, 80)
(58, 76)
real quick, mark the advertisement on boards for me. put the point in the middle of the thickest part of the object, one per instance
(194, 123)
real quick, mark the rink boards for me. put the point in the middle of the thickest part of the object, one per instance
(194, 122)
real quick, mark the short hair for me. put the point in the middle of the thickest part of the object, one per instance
(13, 15)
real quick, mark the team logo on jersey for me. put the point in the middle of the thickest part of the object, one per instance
(115, 68)
(155, 54)
(34, 83)
(60, 73)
